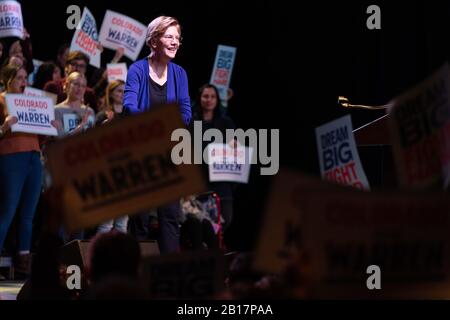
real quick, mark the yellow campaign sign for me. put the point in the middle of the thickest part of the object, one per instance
(404, 234)
(121, 168)
(347, 233)
(280, 233)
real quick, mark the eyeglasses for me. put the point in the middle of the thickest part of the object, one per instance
(171, 38)
(78, 65)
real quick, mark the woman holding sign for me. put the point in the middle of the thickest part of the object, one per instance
(153, 81)
(211, 113)
(72, 114)
(20, 171)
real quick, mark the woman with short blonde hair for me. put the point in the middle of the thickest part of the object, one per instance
(155, 80)
(158, 26)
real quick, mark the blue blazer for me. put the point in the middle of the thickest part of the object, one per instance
(137, 89)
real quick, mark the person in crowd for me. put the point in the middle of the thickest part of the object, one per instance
(76, 61)
(19, 48)
(48, 278)
(20, 171)
(113, 253)
(113, 102)
(61, 56)
(210, 112)
(72, 115)
(152, 81)
(48, 71)
(196, 227)
(243, 282)
(114, 107)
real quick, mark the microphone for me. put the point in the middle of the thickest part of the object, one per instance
(343, 101)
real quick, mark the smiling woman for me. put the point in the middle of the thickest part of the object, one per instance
(20, 171)
(153, 81)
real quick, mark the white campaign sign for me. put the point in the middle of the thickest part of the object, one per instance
(30, 91)
(229, 164)
(85, 38)
(223, 67)
(120, 31)
(34, 114)
(11, 21)
(338, 157)
(117, 71)
(70, 121)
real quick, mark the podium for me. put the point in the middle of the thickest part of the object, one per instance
(375, 151)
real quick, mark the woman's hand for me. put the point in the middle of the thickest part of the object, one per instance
(89, 113)
(26, 35)
(230, 94)
(119, 54)
(57, 124)
(99, 46)
(84, 121)
(9, 121)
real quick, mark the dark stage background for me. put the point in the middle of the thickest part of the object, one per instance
(293, 60)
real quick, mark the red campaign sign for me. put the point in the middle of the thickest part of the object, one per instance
(420, 126)
(427, 157)
(221, 77)
(115, 72)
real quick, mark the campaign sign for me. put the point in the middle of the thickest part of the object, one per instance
(120, 31)
(279, 236)
(116, 71)
(34, 114)
(420, 127)
(223, 67)
(30, 91)
(338, 156)
(11, 21)
(85, 38)
(70, 121)
(402, 235)
(347, 233)
(229, 164)
(121, 169)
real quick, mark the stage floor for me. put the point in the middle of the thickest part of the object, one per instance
(10, 289)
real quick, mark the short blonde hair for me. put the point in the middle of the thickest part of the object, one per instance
(158, 26)
(71, 77)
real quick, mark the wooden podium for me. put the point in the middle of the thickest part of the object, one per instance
(375, 151)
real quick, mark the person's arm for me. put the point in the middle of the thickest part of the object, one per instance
(130, 96)
(184, 100)
(27, 51)
(6, 126)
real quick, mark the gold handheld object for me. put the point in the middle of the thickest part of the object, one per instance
(343, 101)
